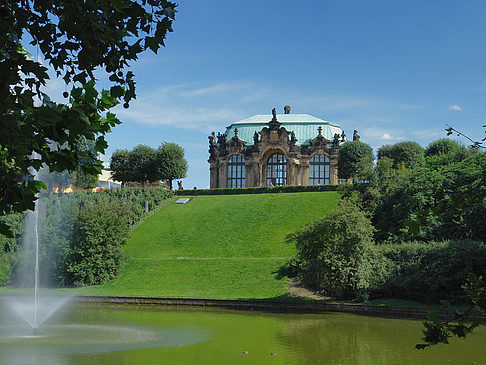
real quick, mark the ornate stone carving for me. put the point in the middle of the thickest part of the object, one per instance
(235, 145)
(319, 144)
(212, 146)
(272, 138)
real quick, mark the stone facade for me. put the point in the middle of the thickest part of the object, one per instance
(273, 155)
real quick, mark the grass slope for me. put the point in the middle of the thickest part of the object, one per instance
(216, 246)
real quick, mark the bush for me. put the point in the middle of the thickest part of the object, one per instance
(96, 254)
(9, 246)
(336, 254)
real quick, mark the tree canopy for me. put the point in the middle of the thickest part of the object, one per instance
(351, 156)
(145, 164)
(75, 38)
(406, 154)
(171, 161)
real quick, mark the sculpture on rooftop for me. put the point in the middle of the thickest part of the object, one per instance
(255, 138)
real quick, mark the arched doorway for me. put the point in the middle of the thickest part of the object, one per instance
(277, 170)
(319, 170)
(235, 172)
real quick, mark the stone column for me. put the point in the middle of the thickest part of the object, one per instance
(213, 174)
(222, 168)
(293, 171)
(252, 172)
(305, 170)
(333, 178)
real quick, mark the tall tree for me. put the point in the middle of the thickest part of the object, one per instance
(142, 162)
(171, 162)
(406, 154)
(119, 166)
(75, 38)
(353, 158)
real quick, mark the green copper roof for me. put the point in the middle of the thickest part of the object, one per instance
(303, 125)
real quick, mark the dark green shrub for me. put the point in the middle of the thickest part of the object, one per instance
(260, 190)
(9, 246)
(429, 272)
(336, 254)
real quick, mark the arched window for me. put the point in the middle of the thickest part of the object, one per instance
(277, 170)
(236, 172)
(319, 170)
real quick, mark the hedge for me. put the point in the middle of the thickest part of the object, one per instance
(429, 272)
(259, 190)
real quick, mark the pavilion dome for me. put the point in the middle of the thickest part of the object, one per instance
(305, 127)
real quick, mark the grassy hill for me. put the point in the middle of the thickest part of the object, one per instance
(216, 246)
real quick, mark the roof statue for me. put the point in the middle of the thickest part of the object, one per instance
(287, 109)
(255, 137)
(335, 142)
(355, 135)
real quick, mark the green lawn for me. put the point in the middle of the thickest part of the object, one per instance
(216, 246)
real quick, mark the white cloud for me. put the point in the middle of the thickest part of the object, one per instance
(375, 133)
(389, 137)
(189, 106)
(455, 107)
(220, 88)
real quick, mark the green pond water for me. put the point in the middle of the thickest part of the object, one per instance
(107, 334)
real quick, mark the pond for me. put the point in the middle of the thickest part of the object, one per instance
(126, 334)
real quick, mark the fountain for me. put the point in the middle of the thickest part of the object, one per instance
(33, 308)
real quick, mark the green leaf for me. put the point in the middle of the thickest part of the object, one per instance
(117, 91)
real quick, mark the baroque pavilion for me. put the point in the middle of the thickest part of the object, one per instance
(263, 150)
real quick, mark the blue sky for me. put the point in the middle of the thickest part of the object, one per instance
(393, 70)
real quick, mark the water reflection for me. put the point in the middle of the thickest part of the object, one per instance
(88, 334)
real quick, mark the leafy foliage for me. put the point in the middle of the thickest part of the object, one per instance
(429, 272)
(443, 152)
(95, 255)
(83, 180)
(443, 146)
(350, 155)
(145, 164)
(119, 166)
(9, 246)
(171, 162)
(403, 154)
(335, 254)
(75, 39)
